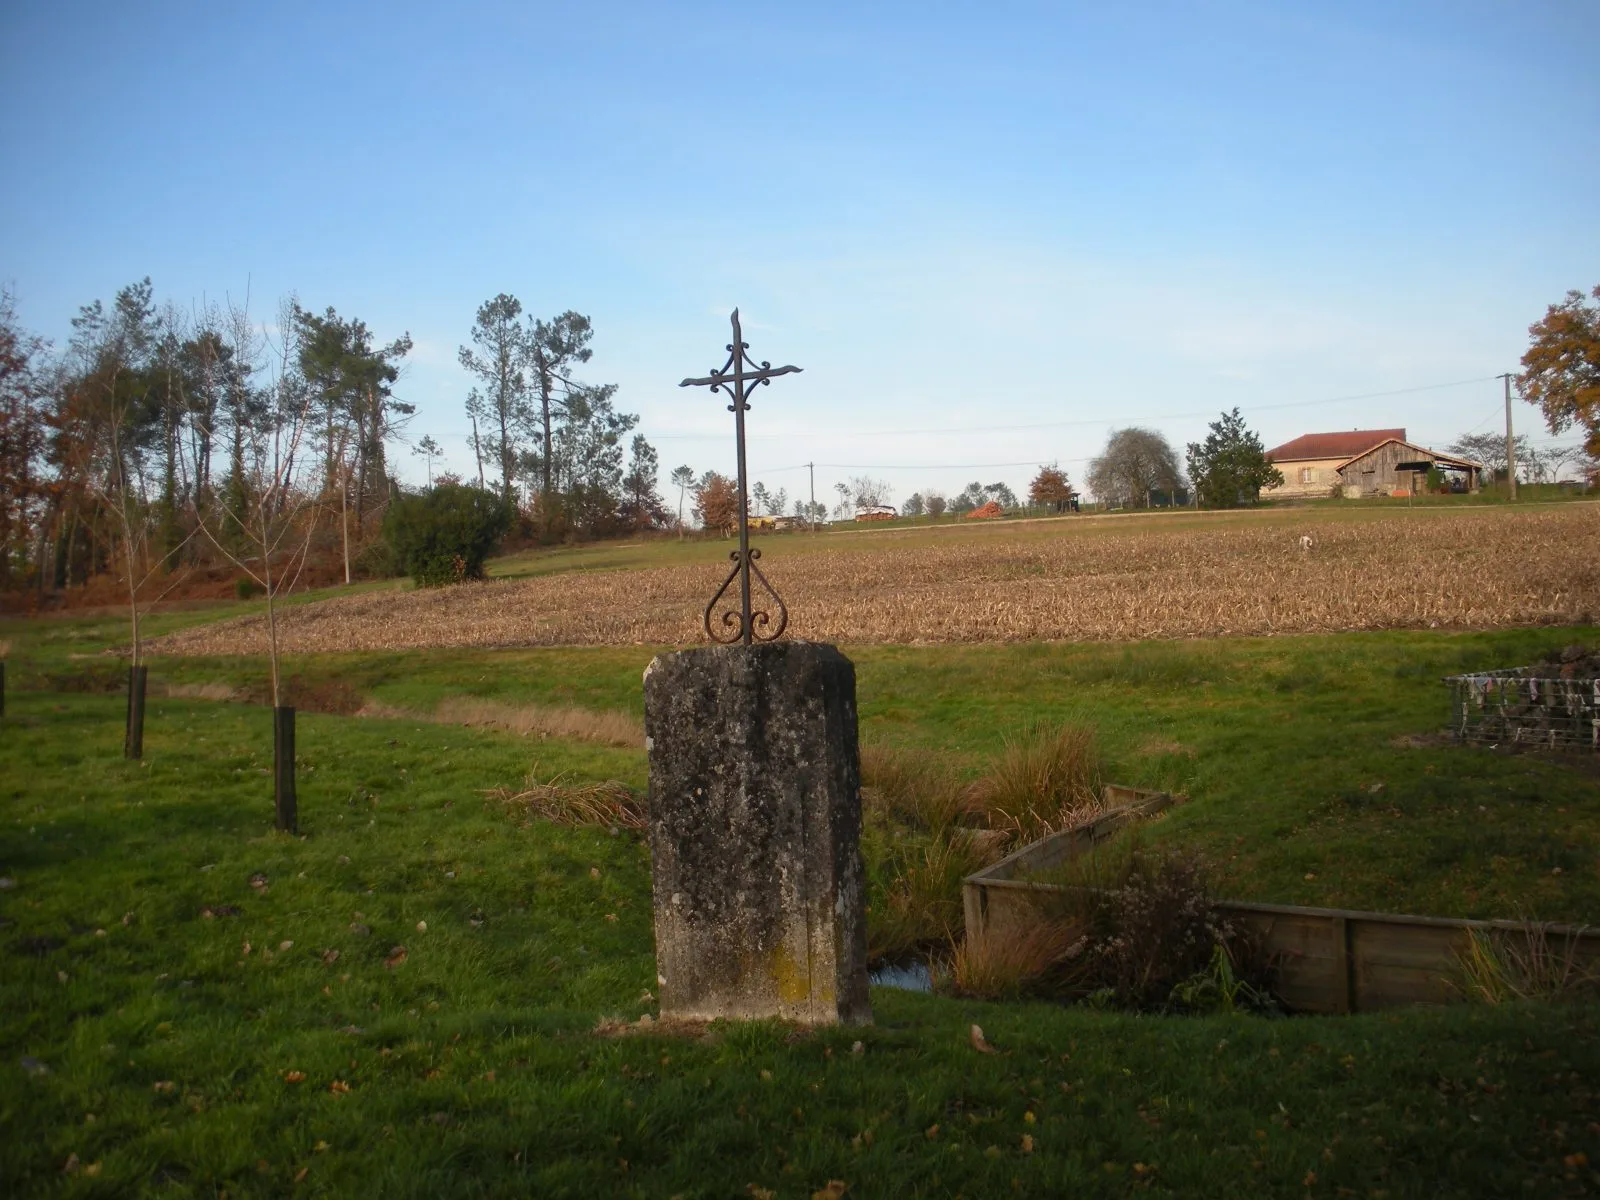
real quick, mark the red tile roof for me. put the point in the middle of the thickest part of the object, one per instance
(1333, 445)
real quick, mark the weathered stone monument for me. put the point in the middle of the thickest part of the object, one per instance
(755, 802)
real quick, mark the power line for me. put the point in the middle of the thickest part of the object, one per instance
(902, 431)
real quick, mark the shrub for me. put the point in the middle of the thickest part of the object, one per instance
(445, 534)
(244, 587)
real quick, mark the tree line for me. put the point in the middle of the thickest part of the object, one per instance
(551, 442)
(154, 424)
(145, 444)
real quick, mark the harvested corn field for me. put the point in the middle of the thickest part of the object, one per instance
(1478, 570)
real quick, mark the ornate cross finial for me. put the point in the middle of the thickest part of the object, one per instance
(739, 374)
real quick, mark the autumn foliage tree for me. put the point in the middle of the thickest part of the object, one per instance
(716, 502)
(1050, 488)
(1561, 368)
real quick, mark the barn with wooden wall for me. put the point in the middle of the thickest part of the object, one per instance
(1399, 468)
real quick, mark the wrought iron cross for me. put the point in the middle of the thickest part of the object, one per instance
(739, 375)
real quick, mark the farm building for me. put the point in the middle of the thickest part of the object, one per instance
(1311, 462)
(1396, 467)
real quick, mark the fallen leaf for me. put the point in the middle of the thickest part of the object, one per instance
(978, 1043)
(258, 881)
(92, 1169)
(300, 1175)
(339, 1087)
(70, 1167)
(286, 945)
(294, 1076)
(396, 957)
(330, 956)
(594, 872)
(612, 917)
(164, 1085)
(932, 1132)
(833, 1191)
(422, 927)
(320, 1147)
(858, 1048)
(1027, 1143)
(760, 1193)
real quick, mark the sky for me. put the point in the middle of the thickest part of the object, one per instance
(989, 234)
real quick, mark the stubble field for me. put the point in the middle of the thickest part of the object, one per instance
(1066, 581)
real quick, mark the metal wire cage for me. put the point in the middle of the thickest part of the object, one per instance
(1529, 706)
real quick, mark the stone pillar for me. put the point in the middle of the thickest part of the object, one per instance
(755, 834)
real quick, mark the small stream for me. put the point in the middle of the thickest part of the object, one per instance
(913, 976)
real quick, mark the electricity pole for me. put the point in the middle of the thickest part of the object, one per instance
(811, 469)
(1511, 449)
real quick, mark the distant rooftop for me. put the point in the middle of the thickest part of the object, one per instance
(1333, 445)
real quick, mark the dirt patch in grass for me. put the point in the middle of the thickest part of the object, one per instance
(579, 724)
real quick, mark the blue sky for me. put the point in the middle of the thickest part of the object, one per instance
(989, 234)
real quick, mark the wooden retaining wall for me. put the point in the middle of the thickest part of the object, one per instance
(1329, 960)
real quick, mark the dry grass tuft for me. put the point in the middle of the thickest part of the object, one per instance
(921, 906)
(1044, 780)
(1012, 961)
(611, 804)
(1504, 965)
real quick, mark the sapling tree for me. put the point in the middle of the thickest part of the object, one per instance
(268, 534)
(114, 352)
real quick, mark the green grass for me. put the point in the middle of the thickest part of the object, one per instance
(1298, 753)
(472, 1068)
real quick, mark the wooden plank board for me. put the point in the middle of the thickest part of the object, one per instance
(1328, 959)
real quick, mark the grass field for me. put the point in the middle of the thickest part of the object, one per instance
(176, 1060)
(285, 1044)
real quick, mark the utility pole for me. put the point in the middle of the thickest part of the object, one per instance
(811, 469)
(1511, 449)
